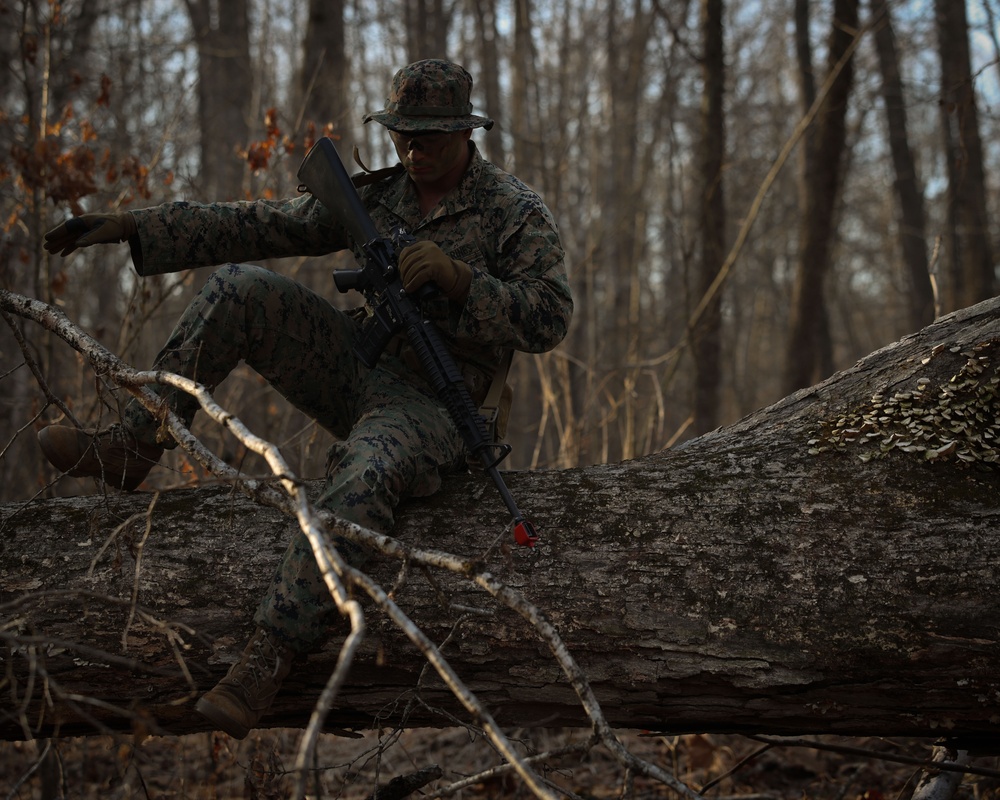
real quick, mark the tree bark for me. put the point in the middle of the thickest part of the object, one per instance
(826, 565)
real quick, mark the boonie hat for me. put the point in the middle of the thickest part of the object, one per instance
(430, 95)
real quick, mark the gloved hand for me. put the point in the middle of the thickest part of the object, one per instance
(89, 229)
(424, 261)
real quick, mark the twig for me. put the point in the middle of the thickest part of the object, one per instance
(36, 370)
(175, 644)
(111, 537)
(94, 654)
(405, 785)
(14, 790)
(735, 768)
(503, 769)
(866, 753)
(138, 569)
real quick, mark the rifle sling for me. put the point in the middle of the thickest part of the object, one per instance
(491, 405)
(370, 176)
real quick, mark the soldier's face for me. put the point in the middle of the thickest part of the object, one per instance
(430, 157)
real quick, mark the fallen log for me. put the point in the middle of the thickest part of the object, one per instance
(826, 565)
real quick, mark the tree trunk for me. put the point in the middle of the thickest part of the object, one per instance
(808, 337)
(426, 26)
(222, 34)
(323, 80)
(707, 333)
(524, 112)
(489, 79)
(969, 253)
(910, 195)
(825, 565)
(628, 27)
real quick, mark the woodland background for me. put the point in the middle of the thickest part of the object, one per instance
(752, 195)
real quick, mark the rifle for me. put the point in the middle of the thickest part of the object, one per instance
(393, 310)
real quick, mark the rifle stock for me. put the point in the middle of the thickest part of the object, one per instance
(323, 174)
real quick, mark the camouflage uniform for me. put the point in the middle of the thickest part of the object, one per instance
(395, 438)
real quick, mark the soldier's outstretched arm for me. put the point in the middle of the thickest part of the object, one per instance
(88, 229)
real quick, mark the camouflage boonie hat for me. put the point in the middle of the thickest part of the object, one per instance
(430, 95)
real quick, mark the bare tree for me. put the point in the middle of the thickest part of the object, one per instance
(706, 336)
(222, 35)
(489, 57)
(807, 347)
(969, 254)
(426, 25)
(524, 113)
(324, 76)
(909, 193)
(81, 41)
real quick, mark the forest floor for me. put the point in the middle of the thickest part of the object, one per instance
(212, 765)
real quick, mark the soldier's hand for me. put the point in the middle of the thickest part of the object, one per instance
(424, 261)
(89, 229)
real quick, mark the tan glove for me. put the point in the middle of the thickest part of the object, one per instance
(424, 261)
(90, 229)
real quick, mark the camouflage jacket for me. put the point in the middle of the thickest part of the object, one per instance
(519, 298)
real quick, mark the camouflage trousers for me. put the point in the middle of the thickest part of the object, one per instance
(395, 439)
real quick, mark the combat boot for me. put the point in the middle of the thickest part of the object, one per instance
(114, 454)
(240, 699)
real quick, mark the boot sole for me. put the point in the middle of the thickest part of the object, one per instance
(221, 719)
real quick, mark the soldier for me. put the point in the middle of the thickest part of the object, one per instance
(485, 239)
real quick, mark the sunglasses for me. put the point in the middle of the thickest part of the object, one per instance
(425, 141)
